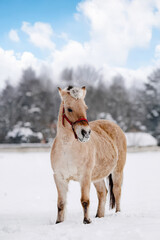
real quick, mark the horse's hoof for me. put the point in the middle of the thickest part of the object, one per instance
(86, 221)
(99, 216)
(118, 210)
(58, 222)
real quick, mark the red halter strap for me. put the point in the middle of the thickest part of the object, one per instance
(72, 123)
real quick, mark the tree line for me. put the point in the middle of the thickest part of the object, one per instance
(31, 107)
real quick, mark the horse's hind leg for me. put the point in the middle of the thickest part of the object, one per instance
(102, 194)
(62, 188)
(117, 184)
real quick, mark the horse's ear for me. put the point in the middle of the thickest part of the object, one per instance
(84, 91)
(62, 93)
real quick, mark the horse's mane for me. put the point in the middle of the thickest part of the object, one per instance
(75, 92)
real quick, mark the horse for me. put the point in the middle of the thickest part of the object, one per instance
(86, 152)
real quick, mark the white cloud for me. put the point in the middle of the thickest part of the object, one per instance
(12, 66)
(71, 55)
(9, 67)
(117, 26)
(132, 77)
(157, 51)
(40, 34)
(13, 35)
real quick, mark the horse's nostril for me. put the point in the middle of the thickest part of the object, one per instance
(83, 132)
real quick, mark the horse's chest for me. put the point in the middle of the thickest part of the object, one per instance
(68, 166)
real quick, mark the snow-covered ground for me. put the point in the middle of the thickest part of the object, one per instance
(28, 202)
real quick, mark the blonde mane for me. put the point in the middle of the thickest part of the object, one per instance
(75, 92)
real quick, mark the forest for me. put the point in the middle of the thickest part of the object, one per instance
(29, 110)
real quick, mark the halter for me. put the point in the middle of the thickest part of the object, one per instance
(72, 123)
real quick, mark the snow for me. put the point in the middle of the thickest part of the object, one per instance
(34, 110)
(140, 139)
(155, 113)
(28, 202)
(27, 124)
(104, 115)
(24, 132)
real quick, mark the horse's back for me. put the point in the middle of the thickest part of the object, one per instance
(112, 130)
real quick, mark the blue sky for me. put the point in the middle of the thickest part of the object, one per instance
(144, 56)
(113, 35)
(58, 13)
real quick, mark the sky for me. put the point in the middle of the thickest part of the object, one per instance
(114, 36)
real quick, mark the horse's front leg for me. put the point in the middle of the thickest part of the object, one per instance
(62, 189)
(85, 192)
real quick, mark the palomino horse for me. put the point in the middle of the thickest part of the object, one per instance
(86, 152)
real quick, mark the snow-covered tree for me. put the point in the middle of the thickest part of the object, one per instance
(118, 102)
(152, 103)
(7, 110)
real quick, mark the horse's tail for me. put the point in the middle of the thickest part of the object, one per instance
(112, 198)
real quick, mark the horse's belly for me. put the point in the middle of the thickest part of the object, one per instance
(103, 168)
(105, 158)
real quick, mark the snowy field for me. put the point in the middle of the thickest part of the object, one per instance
(28, 202)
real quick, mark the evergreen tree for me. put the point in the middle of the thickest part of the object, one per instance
(152, 104)
(7, 110)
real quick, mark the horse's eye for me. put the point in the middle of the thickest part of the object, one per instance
(69, 110)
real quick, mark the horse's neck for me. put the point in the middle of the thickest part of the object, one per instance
(60, 125)
(66, 130)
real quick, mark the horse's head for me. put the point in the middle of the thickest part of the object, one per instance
(74, 111)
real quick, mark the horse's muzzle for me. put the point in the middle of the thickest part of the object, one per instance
(83, 133)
